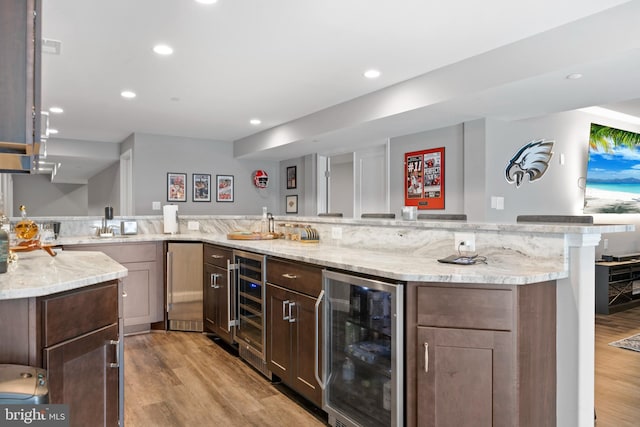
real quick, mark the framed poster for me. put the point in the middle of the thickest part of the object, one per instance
(424, 179)
(224, 188)
(292, 204)
(176, 187)
(291, 177)
(201, 187)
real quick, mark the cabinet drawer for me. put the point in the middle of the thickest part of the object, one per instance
(304, 278)
(216, 255)
(77, 312)
(122, 253)
(465, 308)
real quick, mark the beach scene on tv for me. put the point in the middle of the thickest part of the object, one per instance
(613, 171)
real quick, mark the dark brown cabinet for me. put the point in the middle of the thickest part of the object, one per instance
(77, 337)
(292, 291)
(616, 286)
(20, 41)
(218, 292)
(481, 355)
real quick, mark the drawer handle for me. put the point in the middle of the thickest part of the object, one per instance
(289, 276)
(214, 280)
(292, 319)
(117, 344)
(217, 256)
(426, 357)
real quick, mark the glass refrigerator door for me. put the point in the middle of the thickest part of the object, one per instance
(250, 296)
(363, 357)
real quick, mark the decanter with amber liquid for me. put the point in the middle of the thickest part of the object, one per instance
(26, 230)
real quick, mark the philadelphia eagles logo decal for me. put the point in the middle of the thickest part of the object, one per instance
(532, 159)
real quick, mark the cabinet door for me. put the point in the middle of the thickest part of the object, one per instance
(81, 375)
(279, 332)
(303, 347)
(20, 35)
(210, 308)
(465, 378)
(139, 290)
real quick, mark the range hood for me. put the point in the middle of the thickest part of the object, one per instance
(17, 157)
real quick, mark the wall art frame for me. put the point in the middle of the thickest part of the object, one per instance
(224, 188)
(201, 187)
(291, 203)
(292, 177)
(424, 178)
(176, 187)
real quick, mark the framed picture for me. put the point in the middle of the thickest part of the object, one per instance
(424, 179)
(292, 204)
(224, 188)
(176, 187)
(291, 177)
(201, 187)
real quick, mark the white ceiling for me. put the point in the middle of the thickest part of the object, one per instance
(280, 60)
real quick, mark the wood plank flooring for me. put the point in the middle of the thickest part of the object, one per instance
(184, 379)
(617, 388)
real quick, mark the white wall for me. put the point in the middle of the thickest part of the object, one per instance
(341, 189)
(44, 198)
(156, 155)
(104, 190)
(451, 138)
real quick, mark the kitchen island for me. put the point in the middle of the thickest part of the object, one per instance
(63, 314)
(517, 254)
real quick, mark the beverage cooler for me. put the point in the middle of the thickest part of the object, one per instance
(250, 294)
(363, 351)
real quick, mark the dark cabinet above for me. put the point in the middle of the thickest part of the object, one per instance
(20, 68)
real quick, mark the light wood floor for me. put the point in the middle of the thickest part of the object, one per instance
(617, 389)
(184, 379)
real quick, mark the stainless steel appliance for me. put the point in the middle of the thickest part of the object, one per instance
(23, 385)
(184, 286)
(250, 294)
(362, 359)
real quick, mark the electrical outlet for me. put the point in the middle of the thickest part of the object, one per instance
(606, 244)
(336, 232)
(464, 242)
(155, 206)
(193, 225)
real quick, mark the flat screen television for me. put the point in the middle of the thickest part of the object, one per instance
(613, 171)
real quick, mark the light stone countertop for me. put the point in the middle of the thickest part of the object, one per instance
(503, 267)
(37, 273)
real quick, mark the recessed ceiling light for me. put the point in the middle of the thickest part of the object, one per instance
(163, 49)
(53, 131)
(372, 74)
(574, 76)
(56, 110)
(128, 94)
(255, 121)
(207, 1)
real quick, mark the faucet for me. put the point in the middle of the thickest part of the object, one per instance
(272, 226)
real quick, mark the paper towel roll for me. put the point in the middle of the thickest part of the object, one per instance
(170, 213)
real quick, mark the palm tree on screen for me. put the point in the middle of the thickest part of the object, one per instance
(604, 138)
